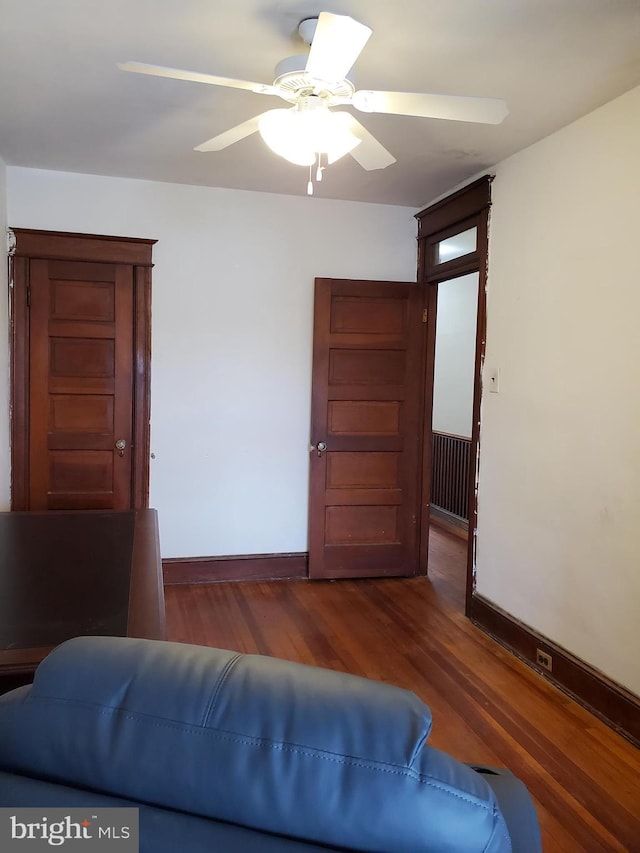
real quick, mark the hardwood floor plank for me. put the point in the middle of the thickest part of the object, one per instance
(488, 706)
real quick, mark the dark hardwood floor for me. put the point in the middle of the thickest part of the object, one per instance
(487, 706)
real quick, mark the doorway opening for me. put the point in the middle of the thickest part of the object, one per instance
(451, 431)
(452, 266)
(452, 415)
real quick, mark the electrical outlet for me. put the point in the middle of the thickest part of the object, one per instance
(544, 659)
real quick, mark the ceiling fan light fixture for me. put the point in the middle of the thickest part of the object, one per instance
(278, 131)
(303, 132)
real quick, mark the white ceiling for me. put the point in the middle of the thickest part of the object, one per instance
(65, 106)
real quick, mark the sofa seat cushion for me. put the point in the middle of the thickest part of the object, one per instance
(268, 744)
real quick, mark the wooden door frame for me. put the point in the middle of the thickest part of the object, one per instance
(60, 245)
(463, 209)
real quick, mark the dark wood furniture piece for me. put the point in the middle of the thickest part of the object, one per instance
(72, 573)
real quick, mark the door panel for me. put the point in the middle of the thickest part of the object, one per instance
(366, 405)
(363, 470)
(366, 367)
(364, 417)
(80, 384)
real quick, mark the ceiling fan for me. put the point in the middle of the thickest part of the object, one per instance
(311, 132)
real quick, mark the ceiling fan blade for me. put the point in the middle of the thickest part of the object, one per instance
(370, 153)
(452, 107)
(195, 77)
(234, 134)
(337, 43)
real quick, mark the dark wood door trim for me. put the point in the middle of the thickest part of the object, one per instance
(464, 209)
(32, 244)
(453, 209)
(141, 386)
(68, 246)
(19, 381)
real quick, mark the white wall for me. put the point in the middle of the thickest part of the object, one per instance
(232, 335)
(559, 483)
(455, 357)
(5, 469)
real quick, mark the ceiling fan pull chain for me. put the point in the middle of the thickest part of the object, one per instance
(320, 168)
(310, 184)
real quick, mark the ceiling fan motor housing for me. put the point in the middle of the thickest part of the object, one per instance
(292, 81)
(307, 29)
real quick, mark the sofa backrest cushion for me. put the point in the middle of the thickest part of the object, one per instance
(260, 742)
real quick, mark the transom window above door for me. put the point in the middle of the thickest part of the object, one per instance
(457, 246)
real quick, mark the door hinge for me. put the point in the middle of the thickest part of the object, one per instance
(28, 297)
(425, 314)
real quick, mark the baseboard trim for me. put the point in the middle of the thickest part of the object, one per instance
(451, 523)
(243, 567)
(610, 702)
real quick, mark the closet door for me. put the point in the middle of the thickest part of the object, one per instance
(80, 385)
(80, 371)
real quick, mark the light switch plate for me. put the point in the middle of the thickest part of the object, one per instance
(494, 380)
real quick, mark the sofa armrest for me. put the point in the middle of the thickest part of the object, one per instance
(516, 806)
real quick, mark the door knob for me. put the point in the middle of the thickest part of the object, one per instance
(320, 447)
(120, 446)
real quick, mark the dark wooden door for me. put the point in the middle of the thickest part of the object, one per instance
(80, 371)
(366, 410)
(80, 385)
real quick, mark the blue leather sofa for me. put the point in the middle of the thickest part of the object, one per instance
(247, 754)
